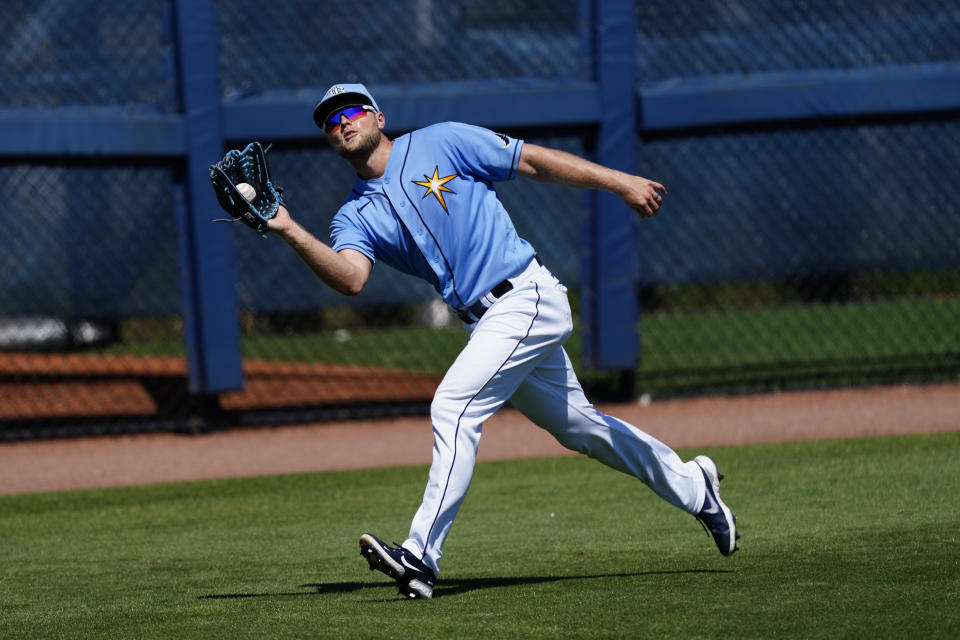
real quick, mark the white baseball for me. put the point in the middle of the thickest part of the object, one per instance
(247, 191)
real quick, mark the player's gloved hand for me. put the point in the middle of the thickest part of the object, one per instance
(248, 165)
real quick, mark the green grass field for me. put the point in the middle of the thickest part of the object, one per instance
(850, 538)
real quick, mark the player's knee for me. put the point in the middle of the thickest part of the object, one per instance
(444, 409)
(573, 440)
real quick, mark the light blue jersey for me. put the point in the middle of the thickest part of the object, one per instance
(434, 214)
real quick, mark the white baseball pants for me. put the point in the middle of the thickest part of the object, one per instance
(515, 353)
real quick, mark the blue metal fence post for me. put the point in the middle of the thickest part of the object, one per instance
(610, 308)
(210, 309)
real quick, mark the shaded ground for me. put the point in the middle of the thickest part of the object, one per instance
(49, 465)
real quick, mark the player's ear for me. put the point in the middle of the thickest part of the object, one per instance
(381, 119)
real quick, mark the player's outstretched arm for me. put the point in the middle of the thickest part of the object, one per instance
(559, 167)
(345, 271)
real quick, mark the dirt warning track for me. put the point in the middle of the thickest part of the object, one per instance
(50, 465)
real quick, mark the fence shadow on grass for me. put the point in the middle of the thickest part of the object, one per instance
(449, 587)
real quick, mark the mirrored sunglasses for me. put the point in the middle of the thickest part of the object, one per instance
(351, 113)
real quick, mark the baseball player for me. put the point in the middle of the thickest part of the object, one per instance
(424, 203)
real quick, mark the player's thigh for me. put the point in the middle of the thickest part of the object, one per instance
(551, 396)
(512, 340)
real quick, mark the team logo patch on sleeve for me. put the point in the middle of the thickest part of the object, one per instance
(436, 186)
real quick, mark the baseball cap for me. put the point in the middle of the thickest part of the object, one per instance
(341, 95)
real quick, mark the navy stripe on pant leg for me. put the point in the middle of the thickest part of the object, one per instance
(456, 432)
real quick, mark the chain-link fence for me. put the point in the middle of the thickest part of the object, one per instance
(805, 255)
(79, 53)
(798, 254)
(788, 254)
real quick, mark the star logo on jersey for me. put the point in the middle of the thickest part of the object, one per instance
(437, 186)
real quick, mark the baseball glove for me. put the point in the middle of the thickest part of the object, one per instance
(250, 166)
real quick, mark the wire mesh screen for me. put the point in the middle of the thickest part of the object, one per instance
(750, 36)
(407, 41)
(802, 255)
(90, 294)
(803, 201)
(73, 53)
(93, 242)
(90, 326)
(793, 254)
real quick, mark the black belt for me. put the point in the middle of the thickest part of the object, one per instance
(474, 312)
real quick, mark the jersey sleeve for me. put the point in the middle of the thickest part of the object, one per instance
(347, 231)
(485, 153)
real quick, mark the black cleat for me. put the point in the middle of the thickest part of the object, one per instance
(414, 578)
(715, 516)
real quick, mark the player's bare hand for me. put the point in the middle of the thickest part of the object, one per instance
(282, 222)
(643, 196)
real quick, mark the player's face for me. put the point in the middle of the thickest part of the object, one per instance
(353, 131)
